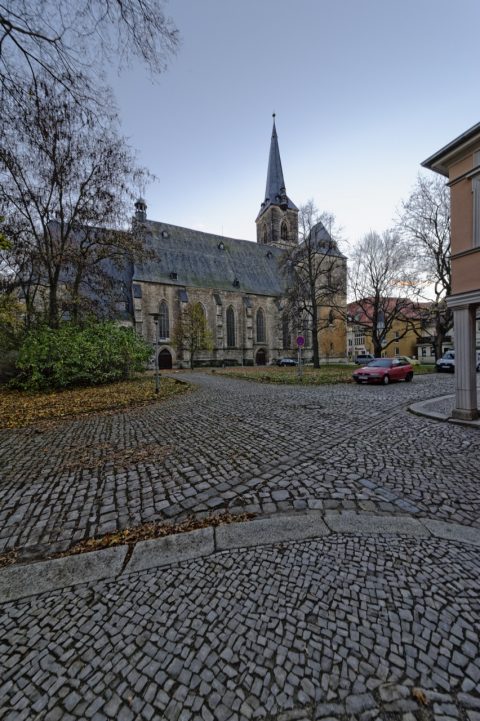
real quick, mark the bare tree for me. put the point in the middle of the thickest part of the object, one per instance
(191, 332)
(68, 40)
(424, 222)
(316, 272)
(381, 287)
(65, 185)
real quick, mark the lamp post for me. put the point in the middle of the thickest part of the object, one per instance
(157, 329)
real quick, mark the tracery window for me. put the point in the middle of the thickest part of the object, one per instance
(284, 231)
(163, 320)
(260, 326)
(230, 327)
(285, 332)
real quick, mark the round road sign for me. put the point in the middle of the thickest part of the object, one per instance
(300, 341)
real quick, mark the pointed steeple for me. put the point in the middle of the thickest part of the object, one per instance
(277, 221)
(275, 182)
(275, 191)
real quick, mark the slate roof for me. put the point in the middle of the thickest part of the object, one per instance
(199, 260)
(322, 241)
(275, 188)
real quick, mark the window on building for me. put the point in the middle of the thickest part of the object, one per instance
(284, 231)
(424, 352)
(260, 326)
(264, 233)
(285, 332)
(230, 327)
(397, 350)
(397, 335)
(359, 338)
(163, 319)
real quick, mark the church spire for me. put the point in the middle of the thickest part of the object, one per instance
(275, 191)
(277, 221)
(275, 188)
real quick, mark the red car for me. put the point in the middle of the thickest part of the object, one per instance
(384, 370)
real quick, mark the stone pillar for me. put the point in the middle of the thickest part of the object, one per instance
(465, 375)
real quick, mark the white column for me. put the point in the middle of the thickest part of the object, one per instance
(465, 375)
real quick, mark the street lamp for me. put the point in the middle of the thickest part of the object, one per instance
(156, 317)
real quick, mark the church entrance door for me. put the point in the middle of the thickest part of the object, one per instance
(164, 359)
(261, 357)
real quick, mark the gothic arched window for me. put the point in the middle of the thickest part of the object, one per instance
(284, 231)
(230, 327)
(264, 233)
(260, 326)
(285, 332)
(163, 320)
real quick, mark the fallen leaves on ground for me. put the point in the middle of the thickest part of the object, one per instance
(21, 408)
(154, 529)
(8, 558)
(419, 695)
(102, 454)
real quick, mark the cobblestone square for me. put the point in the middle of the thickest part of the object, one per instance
(357, 623)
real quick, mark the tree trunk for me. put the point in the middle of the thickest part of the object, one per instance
(315, 344)
(75, 298)
(377, 347)
(53, 321)
(438, 344)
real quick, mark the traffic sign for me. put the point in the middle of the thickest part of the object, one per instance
(300, 341)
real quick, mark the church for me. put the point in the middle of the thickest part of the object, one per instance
(241, 285)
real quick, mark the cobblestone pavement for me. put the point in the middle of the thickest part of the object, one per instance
(338, 628)
(238, 446)
(344, 627)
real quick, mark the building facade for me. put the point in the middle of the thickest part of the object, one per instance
(240, 285)
(403, 334)
(459, 161)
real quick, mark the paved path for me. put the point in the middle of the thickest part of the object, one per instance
(341, 626)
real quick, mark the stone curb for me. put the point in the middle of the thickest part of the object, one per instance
(33, 578)
(171, 549)
(22, 581)
(419, 409)
(281, 528)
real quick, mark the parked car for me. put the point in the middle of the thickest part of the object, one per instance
(384, 370)
(364, 358)
(407, 359)
(447, 362)
(286, 362)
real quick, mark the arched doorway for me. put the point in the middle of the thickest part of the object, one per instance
(261, 357)
(164, 359)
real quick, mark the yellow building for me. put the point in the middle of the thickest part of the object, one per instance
(400, 337)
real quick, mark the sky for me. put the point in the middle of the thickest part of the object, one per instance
(363, 91)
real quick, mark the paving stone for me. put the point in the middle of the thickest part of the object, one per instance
(331, 618)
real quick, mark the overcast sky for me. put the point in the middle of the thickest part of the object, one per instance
(364, 90)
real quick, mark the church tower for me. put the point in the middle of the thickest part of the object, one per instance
(277, 221)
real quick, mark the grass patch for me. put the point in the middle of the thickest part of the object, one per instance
(333, 373)
(23, 408)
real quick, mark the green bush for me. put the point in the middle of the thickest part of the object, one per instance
(74, 356)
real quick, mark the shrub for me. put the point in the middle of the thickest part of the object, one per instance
(76, 356)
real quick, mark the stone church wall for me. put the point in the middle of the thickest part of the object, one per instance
(245, 307)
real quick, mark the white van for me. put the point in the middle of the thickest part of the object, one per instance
(447, 361)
